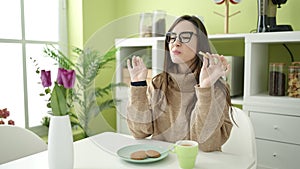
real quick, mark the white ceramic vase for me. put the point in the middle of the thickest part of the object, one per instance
(60, 143)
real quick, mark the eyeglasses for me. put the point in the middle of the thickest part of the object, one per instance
(184, 37)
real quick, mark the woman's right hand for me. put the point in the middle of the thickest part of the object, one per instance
(137, 69)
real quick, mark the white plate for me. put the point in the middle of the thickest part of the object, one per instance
(124, 153)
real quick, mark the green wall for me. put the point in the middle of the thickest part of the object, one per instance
(97, 23)
(87, 16)
(97, 13)
(75, 25)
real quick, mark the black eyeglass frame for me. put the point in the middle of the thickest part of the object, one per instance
(172, 40)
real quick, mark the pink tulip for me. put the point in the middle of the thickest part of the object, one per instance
(66, 78)
(46, 78)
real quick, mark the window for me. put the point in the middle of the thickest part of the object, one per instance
(26, 26)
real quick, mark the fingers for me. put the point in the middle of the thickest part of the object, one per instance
(205, 61)
(129, 65)
(227, 70)
(206, 57)
(135, 61)
(216, 60)
(203, 54)
(223, 61)
(225, 65)
(141, 62)
(212, 58)
(219, 60)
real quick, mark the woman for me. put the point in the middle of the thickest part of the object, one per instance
(189, 99)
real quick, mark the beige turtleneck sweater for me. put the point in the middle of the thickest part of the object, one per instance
(193, 113)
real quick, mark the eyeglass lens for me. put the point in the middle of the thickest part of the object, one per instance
(184, 37)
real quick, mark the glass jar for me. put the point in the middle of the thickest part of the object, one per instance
(146, 25)
(159, 23)
(276, 79)
(294, 80)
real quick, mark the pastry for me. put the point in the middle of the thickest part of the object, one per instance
(152, 153)
(138, 155)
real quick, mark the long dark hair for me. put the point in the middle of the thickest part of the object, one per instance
(202, 45)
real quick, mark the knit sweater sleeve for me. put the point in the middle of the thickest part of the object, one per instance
(210, 122)
(139, 116)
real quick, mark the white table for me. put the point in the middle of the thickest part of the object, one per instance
(99, 152)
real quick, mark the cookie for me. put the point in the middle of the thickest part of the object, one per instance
(138, 155)
(152, 153)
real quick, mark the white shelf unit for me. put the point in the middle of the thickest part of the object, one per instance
(257, 75)
(276, 119)
(226, 36)
(151, 48)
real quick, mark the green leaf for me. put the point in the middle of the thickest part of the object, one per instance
(47, 90)
(57, 55)
(58, 101)
(107, 104)
(100, 92)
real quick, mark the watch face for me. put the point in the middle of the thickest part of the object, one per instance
(235, 1)
(219, 1)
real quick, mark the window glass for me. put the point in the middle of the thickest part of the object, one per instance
(20, 88)
(11, 73)
(41, 20)
(10, 17)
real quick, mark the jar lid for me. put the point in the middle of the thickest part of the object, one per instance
(294, 67)
(146, 14)
(296, 63)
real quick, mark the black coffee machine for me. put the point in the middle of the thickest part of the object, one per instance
(267, 16)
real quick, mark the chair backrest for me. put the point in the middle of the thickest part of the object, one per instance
(242, 137)
(17, 142)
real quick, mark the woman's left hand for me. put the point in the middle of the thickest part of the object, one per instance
(214, 67)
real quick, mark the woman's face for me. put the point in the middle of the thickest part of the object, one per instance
(180, 52)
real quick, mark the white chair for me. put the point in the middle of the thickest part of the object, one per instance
(17, 142)
(242, 137)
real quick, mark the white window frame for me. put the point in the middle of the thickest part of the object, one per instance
(63, 39)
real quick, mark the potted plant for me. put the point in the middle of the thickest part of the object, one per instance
(85, 95)
(60, 101)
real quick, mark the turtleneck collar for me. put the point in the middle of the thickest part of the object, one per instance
(185, 81)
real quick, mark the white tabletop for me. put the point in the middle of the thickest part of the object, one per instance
(99, 152)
